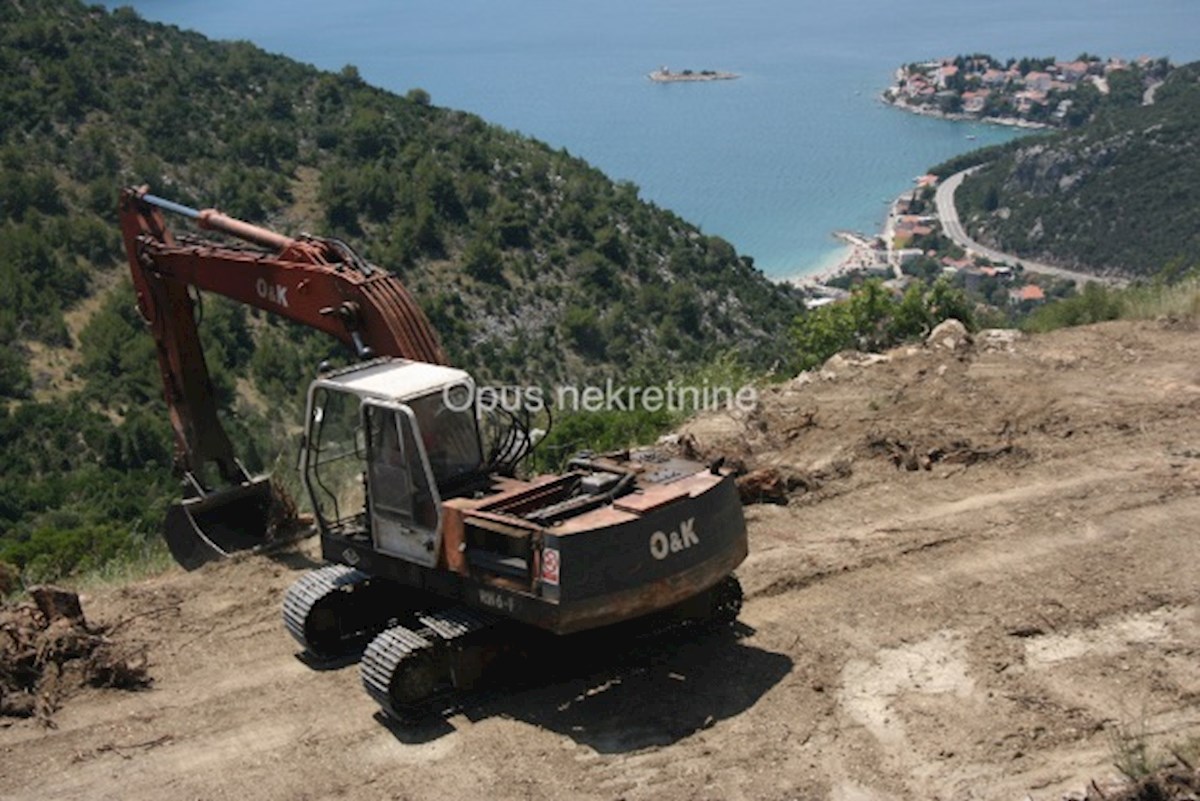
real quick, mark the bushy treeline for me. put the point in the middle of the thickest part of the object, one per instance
(1096, 303)
(77, 490)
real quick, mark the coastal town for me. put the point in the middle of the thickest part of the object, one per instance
(1026, 92)
(922, 239)
(916, 245)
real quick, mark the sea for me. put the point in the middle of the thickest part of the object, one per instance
(776, 161)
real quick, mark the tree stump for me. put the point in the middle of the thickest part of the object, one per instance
(55, 604)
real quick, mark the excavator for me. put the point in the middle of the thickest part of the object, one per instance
(441, 560)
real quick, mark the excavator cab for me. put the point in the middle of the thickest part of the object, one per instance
(384, 443)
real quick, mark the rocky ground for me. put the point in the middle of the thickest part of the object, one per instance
(974, 578)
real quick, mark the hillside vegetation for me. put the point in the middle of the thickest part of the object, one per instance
(1121, 194)
(532, 264)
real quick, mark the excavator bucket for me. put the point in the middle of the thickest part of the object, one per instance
(210, 528)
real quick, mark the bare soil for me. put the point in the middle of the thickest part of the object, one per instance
(977, 580)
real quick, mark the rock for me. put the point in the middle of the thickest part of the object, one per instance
(55, 604)
(765, 485)
(842, 362)
(949, 335)
(998, 338)
(801, 380)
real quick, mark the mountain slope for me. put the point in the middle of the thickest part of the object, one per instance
(531, 260)
(534, 266)
(1121, 194)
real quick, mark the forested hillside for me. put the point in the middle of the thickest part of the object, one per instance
(532, 265)
(1120, 194)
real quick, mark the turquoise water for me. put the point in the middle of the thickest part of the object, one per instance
(775, 161)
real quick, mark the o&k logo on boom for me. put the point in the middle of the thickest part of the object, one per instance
(273, 292)
(663, 544)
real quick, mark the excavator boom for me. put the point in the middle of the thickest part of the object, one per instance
(320, 283)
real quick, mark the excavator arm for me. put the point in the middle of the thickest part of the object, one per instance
(320, 283)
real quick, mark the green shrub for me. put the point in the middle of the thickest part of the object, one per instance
(873, 319)
(1096, 303)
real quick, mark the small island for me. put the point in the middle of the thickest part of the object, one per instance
(1027, 92)
(664, 75)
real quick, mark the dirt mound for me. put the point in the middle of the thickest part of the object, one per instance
(48, 650)
(955, 403)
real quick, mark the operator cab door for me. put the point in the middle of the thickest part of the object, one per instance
(402, 497)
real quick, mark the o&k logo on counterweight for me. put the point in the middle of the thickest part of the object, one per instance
(663, 544)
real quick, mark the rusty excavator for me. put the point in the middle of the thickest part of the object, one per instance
(441, 560)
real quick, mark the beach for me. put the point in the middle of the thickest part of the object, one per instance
(857, 255)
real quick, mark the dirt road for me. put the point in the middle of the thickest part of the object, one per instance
(991, 624)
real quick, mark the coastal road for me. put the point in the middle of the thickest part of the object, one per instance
(953, 227)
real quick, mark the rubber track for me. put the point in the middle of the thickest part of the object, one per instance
(390, 648)
(311, 588)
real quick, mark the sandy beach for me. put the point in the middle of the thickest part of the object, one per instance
(828, 268)
(857, 255)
